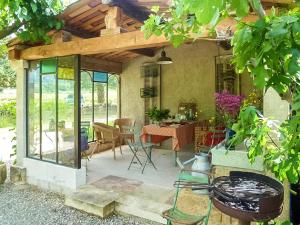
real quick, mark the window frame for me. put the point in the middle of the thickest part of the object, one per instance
(77, 151)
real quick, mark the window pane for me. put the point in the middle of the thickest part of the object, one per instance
(48, 66)
(66, 104)
(113, 98)
(49, 117)
(100, 105)
(66, 68)
(87, 103)
(100, 77)
(33, 88)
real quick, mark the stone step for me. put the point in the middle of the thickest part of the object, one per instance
(141, 207)
(92, 200)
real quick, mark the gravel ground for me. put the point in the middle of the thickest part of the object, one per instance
(28, 205)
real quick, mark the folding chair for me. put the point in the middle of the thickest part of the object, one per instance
(187, 180)
(138, 148)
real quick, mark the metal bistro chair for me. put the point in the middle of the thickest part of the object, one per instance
(138, 148)
(188, 180)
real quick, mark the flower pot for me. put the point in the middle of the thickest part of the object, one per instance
(3, 173)
(212, 139)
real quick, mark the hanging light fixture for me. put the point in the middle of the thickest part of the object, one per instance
(164, 59)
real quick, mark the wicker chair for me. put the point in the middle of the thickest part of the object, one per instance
(105, 134)
(122, 124)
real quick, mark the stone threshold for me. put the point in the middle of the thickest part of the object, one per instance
(115, 195)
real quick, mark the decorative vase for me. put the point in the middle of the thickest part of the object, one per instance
(3, 173)
(229, 135)
(201, 164)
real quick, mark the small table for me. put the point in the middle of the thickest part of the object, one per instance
(181, 135)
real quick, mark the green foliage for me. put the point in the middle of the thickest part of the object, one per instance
(186, 19)
(7, 74)
(29, 19)
(158, 115)
(269, 49)
(8, 114)
(282, 156)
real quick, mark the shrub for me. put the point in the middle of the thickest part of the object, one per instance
(8, 114)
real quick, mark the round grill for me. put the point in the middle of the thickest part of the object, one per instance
(248, 196)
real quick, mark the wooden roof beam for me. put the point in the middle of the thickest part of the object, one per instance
(91, 63)
(119, 42)
(134, 11)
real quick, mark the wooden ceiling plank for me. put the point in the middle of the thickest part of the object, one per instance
(85, 14)
(78, 32)
(110, 55)
(73, 7)
(97, 28)
(89, 23)
(146, 52)
(79, 11)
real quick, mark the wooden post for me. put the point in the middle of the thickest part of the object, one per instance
(112, 21)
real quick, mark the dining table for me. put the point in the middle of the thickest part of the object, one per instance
(181, 134)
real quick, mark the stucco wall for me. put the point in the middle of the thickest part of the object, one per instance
(191, 78)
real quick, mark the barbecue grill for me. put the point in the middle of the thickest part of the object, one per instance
(248, 196)
(245, 196)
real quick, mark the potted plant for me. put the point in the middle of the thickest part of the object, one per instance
(228, 107)
(3, 172)
(157, 115)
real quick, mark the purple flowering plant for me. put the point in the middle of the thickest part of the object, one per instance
(228, 107)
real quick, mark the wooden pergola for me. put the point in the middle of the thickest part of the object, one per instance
(106, 33)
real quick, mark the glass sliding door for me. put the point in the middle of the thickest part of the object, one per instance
(33, 107)
(53, 105)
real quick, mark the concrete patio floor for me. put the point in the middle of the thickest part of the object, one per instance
(103, 164)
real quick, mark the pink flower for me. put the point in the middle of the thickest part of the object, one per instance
(228, 104)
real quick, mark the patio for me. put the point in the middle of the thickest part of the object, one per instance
(103, 164)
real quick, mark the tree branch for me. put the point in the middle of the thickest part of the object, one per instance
(10, 29)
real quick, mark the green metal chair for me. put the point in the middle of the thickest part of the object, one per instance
(188, 179)
(141, 151)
